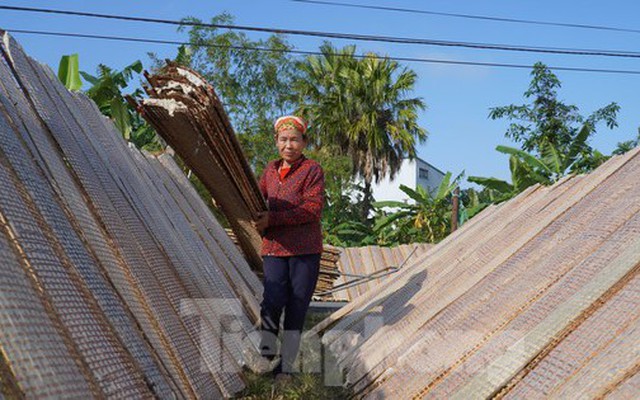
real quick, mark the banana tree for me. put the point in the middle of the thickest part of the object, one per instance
(69, 72)
(472, 202)
(107, 92)
(427, 219)
(545, 169)
(525, 171)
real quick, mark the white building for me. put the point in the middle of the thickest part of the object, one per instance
(412, 173)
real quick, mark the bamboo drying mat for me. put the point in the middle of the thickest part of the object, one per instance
(470, 316)
(107, 257)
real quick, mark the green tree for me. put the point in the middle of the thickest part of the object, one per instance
(426, 219)
(548, 121)
(254, 85)
(69, 72)
(475, 201)
(108, 92)
(528, 169)
(623, 147)
(363, 107)
(342, 194)
(523, 175)
(554, 137)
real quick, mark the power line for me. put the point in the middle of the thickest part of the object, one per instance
(317, 53)
(470, 16)
(349, 36)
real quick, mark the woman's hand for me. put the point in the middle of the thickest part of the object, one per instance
(262, 222)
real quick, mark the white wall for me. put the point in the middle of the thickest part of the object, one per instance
(408, 176)
(390, 190)
(434, 175)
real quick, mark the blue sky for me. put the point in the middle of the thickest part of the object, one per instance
(461, 137)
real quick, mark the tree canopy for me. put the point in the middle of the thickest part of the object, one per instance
(553, 136)
(362, 107)
(252, 77)
(548, 121)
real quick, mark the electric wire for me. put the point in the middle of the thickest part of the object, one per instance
(317, 53)
(349, 36)
(470, 16)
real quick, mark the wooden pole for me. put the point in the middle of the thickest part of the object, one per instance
(454, 209)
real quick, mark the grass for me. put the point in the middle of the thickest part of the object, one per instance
(304, 385)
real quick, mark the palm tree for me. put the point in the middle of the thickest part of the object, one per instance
(361, 106)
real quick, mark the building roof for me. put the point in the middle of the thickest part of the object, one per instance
(430, 165)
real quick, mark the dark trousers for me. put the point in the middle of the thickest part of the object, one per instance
(288, 286)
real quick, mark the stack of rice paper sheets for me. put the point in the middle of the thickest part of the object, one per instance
(355, 265)
(185, 110)
(329, 273)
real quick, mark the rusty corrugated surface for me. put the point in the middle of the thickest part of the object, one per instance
(117, 281)
(537, 297)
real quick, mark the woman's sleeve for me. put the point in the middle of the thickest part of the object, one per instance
(310, 209)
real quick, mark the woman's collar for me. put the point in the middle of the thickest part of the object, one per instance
(293, 164)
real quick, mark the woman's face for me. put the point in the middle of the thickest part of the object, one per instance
(290, 144)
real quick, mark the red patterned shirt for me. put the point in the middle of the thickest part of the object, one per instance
(295, 206)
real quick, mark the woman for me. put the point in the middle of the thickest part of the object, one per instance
(292, 240)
